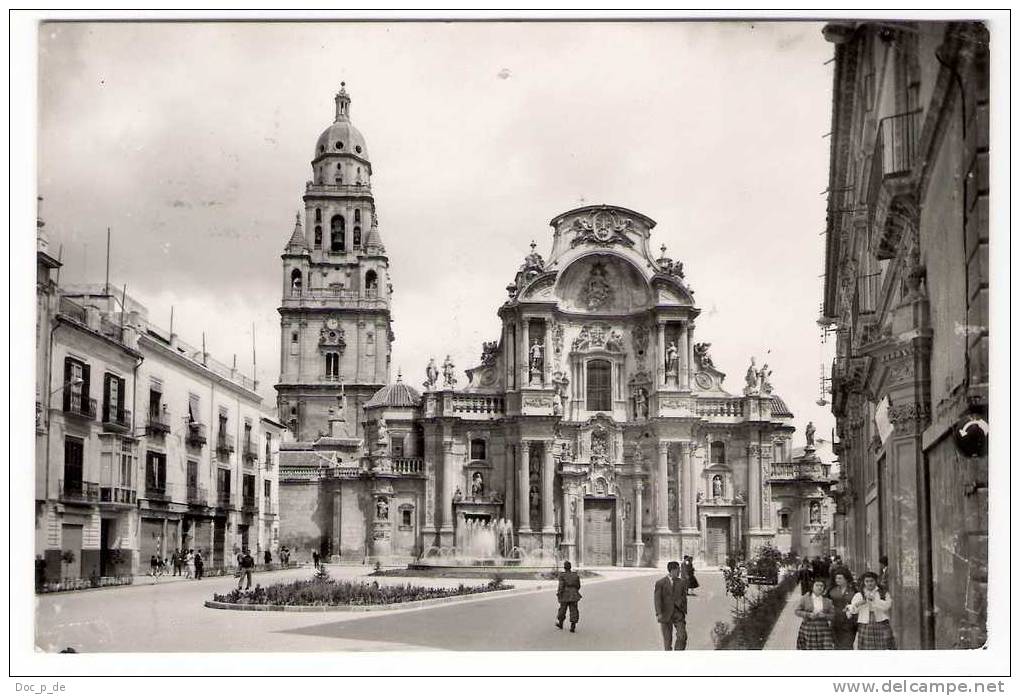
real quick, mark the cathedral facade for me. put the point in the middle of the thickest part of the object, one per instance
(595, 426)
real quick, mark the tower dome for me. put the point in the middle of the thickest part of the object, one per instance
(342, 138)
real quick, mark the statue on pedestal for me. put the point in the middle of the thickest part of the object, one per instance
(672, 358)
(701, 356)
(640, 403)
(449, 379)
(764, 386)
(431, 375)
(809, 434)
(477, 485)
(382, 509)
(537, 361)
(751, 380)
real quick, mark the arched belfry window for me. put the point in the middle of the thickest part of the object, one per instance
(718, 453)
(371, 282)
(318, 214)
(357, 236)
(600, 383)
(339, 174)
(357, 215)
(295, 281)
(336, 233)
(318, 236)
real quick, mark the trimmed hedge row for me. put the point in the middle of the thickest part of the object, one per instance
(754, 621)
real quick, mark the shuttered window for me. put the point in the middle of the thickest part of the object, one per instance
(600, 395)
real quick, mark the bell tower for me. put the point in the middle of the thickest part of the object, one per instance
(335, 323)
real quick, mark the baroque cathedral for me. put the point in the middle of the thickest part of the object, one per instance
(596, 424)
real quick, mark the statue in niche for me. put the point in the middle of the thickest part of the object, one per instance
(533, 500)
(615, 341)
(477, 485)
(809, 434)
(815, 514)
(700, 497)
(382, 509)
(537, 356)
(717, 488)
(701, 356)
(431, 374)
(640, 403)
(672, 358)
(597, 292)
(382, 434)
(449, 379)
(560, 383)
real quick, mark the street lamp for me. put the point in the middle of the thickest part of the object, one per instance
(73, 382)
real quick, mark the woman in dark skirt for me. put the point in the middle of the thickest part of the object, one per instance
(816, 611)
(844, 628)
(688, 569)
(871, 607)
(805, 576)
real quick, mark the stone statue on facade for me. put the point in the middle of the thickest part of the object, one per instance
(382, 509)
(809, 434)
(764, 386)
(615, 341)
(449, 379)
(457, 495)
(560, 382)
(640, 403)
(701, 356)
(751, 379)
(477, 485)
(597, 292)
(489, 349)
(536, 353)
(431, 375)
(672, 358)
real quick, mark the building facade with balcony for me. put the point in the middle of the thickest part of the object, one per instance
(906, 289)
(804, 507)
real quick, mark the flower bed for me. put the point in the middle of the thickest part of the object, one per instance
(72, 584)
(754, 618)
(320, 592)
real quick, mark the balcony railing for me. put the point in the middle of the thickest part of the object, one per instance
(720, 407)
(164, 492)
(198, 496)
(114, 421)
(268, 507)
(81, 407)
(799, 471)
(330, 378)
(225, 443)
(223, 500)
(248, 504)
(326, 296)
(158, 424)
(346, 189)
(408, 466)
(118, 494)
(251, 452)
(896, 146)
(480, 404)
(76, 490)
(196, 434)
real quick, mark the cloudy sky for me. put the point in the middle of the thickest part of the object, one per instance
(192, 142)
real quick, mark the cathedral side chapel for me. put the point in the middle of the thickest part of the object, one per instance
(595, 426)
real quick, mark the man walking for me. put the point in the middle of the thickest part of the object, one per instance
(671, 607)
(246, 565)
(568, 595)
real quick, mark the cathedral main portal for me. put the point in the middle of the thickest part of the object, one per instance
(599, 531)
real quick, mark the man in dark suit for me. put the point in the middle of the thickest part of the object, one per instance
(671, 607)
(568, 595)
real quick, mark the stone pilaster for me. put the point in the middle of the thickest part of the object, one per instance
(446, 538)
(548, 475)
(523, 503)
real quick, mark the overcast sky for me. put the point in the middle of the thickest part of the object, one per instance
(192, 142)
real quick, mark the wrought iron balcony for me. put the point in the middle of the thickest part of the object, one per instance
(224, 443)
(248, 504)
(224, 501)
(114, 421)
(198, 496)
(158, 425)
(119, 495)
(896, 146)
(78, 491)
(196, 434)
(80, 407)
(251, 452)
(160, 492)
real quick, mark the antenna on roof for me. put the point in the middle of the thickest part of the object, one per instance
(106, 286)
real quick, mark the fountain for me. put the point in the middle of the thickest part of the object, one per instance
(484, 543)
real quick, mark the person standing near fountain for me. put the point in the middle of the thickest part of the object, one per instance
(568, 594)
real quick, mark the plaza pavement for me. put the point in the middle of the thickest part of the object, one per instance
(616, 614)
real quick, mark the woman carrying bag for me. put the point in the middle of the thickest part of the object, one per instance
(817, 611)
(871, 607)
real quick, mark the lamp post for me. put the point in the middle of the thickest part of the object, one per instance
(73, 382)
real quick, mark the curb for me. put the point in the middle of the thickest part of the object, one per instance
(354, 607)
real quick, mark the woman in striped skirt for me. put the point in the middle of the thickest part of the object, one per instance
(816, 611)
(871, 606)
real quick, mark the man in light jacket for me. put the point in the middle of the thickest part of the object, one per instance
(568, 595)
(671, 607)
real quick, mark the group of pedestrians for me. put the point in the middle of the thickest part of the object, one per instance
(836, 612)
(669, 597)
(186, 563)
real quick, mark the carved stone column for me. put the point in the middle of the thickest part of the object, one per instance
(662, 489)
(335, 541)
(525, 350)
(567, 515)
(548, 474)
(683, 370)
(508, 484)
(523, 503)
(639, 520)
(446, 530)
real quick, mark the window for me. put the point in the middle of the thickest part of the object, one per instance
(127, 464)
(294, 343)
(478, 448)
(336, 234)
(318, 236)
(357, 236)
(267, 489)
(295, 281)
(371, 282)
(223, 424)
(405, 518)
(113, 399)
(339, 145)
(155, 402)
(192, 476)
(718, 453)
(339, 174)
(269, 448)
(397, 446)
(357, 215)
(193, 409)
(223, 486)
(248, 488)
(332, 364)
(76, 386)
(318, 214)
(784, 520)
(599, 393)
(357, 148)
(74, 459)
(155, 472)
